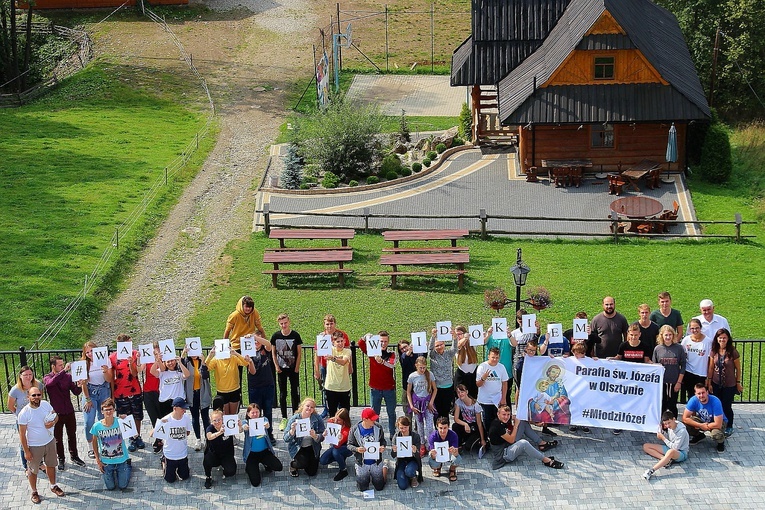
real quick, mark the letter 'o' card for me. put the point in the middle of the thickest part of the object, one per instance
(79, 370)
(372, 450)
(403, 446)
(476, 335)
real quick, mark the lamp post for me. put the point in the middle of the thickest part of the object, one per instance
(519, 271)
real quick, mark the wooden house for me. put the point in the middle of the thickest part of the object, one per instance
(82, 4)
(579, 79)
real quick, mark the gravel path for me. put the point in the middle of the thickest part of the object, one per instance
(247, 59)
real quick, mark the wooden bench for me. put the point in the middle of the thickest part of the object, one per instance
(425, 235)
(426, 249)
(343, 234)
(425, 259)
(642, 169)
(306, 257)
(311, 248)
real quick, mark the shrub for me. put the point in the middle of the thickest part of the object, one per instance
(373, 179)
(353, 184)
(426, 162)
(716, 160)
(416, 167)
(292, 175)
(330, 180)
(308, 179)
(305, 186)
(406, 172)
(403, 128)
(431, 155)
(457, 141)
(440, 148)
(391, 175)
(465, 128)
(391, 163)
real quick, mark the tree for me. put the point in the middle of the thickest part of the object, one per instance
(341, 139)
(292, 175)
(12, 69)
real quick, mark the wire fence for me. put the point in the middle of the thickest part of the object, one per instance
(127, 225)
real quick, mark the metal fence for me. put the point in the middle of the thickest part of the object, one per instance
(751, 352)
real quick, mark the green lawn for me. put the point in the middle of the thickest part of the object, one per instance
(75, 165)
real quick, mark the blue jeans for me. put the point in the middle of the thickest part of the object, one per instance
(335, 455)
(406, 472)
(21, 451)
(98, 393)
(117, 475)
(264, 397)
(390, 406)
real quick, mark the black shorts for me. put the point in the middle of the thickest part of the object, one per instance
(231, 396)
(130, 405)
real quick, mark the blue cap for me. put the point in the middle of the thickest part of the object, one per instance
(180, 402)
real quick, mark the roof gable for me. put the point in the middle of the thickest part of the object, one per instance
(651, 30)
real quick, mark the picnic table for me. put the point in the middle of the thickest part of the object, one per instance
(566, 171)
(424, 235)
(425, 259)
(343, 234)
(308, 257)
(642, 169)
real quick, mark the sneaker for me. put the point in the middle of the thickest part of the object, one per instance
(697, 438)
(728, 431)
(208, 483)
(197, 445)
(720, 447)
(283, 424)
(139, 443)
(157, 448)
(78, 461)
(573, 428)
(91, 455)
(340, 475)
(648, 474)
(131, 445)
(481, 452)
(61, 465)
(586, 430)
(414, 482)
(617, 431)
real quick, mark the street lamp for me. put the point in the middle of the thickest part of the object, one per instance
(519, 271)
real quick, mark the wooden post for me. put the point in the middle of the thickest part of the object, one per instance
(266, 219)
(366, 220)
(482, 216)
(738, 227)
(615, 225)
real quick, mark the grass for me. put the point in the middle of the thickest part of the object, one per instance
(76, 163)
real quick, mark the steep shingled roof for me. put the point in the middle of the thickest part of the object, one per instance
(651, 29)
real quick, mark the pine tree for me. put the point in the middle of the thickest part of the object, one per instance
(292, 175)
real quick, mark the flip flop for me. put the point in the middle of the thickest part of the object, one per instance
(453, 475)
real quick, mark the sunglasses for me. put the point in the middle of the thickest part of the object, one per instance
(35, 394)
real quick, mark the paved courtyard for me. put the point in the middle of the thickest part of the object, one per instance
(602, 471)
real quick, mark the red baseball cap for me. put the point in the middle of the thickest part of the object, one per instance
(369, 414)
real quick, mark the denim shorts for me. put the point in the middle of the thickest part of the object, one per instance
(683, 455)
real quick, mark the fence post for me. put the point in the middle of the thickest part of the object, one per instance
(482, 216)
(615, 225)
(354, 377)
(165, 176)
(117, 238)
(23, 356)
(738, 227)
(266, 219)
(366, 220)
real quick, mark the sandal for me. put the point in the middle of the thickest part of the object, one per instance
(555, 464)
(57, 491)
(452, 474)
(437, 472)
(548, 445)
(36, 498)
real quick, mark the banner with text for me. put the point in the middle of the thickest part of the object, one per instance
(591, 393)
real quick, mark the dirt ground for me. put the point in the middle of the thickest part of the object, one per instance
(248, 57)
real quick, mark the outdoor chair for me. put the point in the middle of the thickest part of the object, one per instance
(653, 179)
(615, 184)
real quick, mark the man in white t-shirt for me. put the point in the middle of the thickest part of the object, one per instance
(710, 321)
(177, 427)
(491, 379)
(36, 423)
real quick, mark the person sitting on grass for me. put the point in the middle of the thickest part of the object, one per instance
(675, 447)
(507, 435)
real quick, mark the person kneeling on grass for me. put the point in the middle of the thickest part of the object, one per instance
(506, 433)
(110, 449)
(675, 447)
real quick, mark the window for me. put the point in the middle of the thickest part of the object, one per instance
(604, 68)
(602, 136)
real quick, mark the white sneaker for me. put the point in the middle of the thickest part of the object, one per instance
(648, 473)
(198, 445)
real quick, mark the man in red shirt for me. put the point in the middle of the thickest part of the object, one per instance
(382, 384)
(127, 390)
